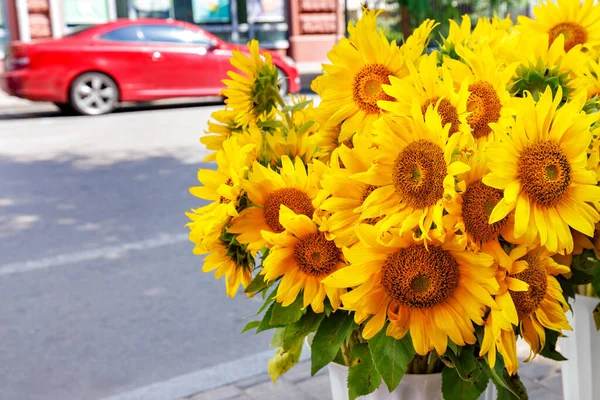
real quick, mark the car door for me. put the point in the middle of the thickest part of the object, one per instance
(184, 63)
(121, 53)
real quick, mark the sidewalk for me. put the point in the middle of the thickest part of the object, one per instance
(7, 101)
(541, 377)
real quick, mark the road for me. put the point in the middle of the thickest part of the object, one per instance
(100, 292)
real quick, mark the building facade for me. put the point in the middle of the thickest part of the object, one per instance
(302, 29)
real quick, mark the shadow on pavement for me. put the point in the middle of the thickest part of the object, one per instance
(95, 328)
(55, 204)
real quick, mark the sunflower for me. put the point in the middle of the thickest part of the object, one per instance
(225, 262)
(489, 102)
(500, 324)
(593, 162)
(436, 291)
(346, 193)
(251, 95)
(430, 84)
(541, 167)
(488, 32)
(360, 65)
(588, 80)
(541, 66)
(303, 256)
(223, 188)
(297, 140)
(542, 305)
(468, 213)
(221, 126)
(293, 186)
(578, 22)
(414, 172)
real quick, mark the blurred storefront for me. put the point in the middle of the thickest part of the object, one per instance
(303, 29)
(3, 34)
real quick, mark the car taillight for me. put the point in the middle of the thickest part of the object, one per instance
(20, 62)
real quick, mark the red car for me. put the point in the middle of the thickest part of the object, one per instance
(93, 70)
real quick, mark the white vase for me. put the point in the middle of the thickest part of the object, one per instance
(581, 347)
(411, 387)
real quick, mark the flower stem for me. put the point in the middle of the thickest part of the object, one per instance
(432, 362)
(346, 353)
(288, 116)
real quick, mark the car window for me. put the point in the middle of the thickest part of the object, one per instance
(173, 34)
(76, 30)
(125, 34)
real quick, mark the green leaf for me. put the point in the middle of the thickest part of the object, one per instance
(454, 347)
(549, 350)
(391, 357)
(455, 388)
(296, 332)
(582, 269)
(283, 361)
(496, 374)
(271, 124)
(296, 107)
(328, 339)
(596, 279)
(305, 127)
(251, 325)
(596, 314)
(270, 299)
(464, 364)
(258, 284)
(363, 377)
(287, 315)
(514, 382)
(265, 324)
(277, 338)
(339, 358)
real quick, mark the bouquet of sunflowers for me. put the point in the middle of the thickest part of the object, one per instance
(425, 209)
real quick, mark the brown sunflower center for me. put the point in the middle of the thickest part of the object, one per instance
(418, 174)
(224, 200)
(294, 199)
(484, 107)
(316, 256)
(417, 277)
(478, 202)
(367, 90)
(574, 34)
(545, 173)
(535, 276)
(447, 112)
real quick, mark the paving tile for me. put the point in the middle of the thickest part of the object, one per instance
(301, 372)
(282, 390)
(317, 387)
(222, 393)
(253, 381)
(544, 394)
(536, 371)
(553, 382)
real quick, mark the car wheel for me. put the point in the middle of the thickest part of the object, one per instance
(66, 109)
(94, 93)
(283, 83)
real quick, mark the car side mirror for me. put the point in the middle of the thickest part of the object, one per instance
(214, 44)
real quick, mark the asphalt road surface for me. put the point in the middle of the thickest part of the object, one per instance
(100, 294)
